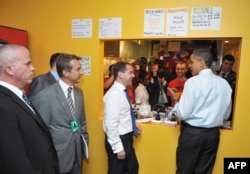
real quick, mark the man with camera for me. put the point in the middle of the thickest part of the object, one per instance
(157, 86)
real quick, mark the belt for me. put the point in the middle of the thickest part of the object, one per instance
(185, 124)
(127, 134)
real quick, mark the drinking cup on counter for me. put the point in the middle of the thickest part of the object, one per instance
(162, 116)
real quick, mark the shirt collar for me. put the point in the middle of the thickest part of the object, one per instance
(13, 88)
(120, 86)
(64, 86)
(205, 71)
(55, 75)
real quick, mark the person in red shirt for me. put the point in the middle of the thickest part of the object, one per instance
(177, 84)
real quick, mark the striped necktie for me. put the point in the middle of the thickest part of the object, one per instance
(28, 102)
(70, 101)
(132, 115)
(223, 75)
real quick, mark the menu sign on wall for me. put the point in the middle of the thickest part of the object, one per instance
(86, 65)
(177, 21)
(81, 28)
(206, 18)
(110, 27)
(154, 22)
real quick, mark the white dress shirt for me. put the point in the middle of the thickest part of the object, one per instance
(16, 91)
(205, 101)
(65, 87)
(117, 116)
(141, 94)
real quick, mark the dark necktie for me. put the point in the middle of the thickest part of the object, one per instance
(27, 101)
(70, 101)
(132, 115)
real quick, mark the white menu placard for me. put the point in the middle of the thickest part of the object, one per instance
(206, 18)
(177, 21)
(86, 65)
(154, 22)
(81, 28)
(110, 27)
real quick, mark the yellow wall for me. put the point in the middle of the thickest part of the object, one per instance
(49, 25)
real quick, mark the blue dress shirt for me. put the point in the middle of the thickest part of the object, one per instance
(205, 101)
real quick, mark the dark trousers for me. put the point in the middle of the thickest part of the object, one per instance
(129, 165)
(197, 149)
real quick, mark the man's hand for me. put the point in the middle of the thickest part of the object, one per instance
(173, 94)
(138, 127)
(121, 155)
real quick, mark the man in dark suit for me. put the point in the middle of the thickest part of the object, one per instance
(157, 87)
(229, 75)
(63, 111)
(45, 80)
(26, 144)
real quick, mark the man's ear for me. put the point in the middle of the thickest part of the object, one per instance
(65, 73)
(202, 64)
(119, 74)
(9, 70)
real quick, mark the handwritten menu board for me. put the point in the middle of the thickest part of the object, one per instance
(206, 18)
(177, 21)
(154, 22)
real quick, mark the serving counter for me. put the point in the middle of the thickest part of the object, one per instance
(155, 148)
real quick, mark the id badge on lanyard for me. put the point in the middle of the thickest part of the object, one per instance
(74, 125)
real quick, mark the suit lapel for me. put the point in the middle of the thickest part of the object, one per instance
(19, 102)
(62, 100)
(35, 115)
(77, 100)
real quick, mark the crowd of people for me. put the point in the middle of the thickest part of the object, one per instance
(152, 80)
(47, 126)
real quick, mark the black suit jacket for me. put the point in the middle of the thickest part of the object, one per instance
(26, 145)
(231, 79)
(154, 91)
(40, 82)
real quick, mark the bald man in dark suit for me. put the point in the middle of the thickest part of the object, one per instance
(26, 144)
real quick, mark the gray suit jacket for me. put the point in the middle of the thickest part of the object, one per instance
(40, 82)
(52, 104)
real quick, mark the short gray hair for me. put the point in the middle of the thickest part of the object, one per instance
(204, 54)
(8, 54)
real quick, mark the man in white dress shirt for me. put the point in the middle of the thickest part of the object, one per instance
(204, 104)
(117, 123)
